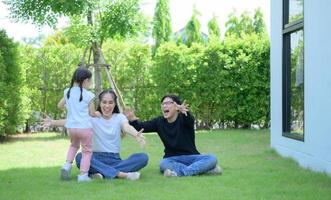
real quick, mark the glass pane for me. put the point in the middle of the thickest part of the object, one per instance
(297, 82)
(295, 10)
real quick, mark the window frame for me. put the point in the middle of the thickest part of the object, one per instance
(287, 30)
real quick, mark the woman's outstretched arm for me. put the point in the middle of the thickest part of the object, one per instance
(126, 127)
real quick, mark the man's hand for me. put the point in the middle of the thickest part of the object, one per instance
(128, 112)
(183, 108)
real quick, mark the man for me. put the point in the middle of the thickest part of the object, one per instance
(176, 131)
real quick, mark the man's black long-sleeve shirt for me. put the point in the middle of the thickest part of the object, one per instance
(177, 137)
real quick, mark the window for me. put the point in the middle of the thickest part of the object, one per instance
(293, 69)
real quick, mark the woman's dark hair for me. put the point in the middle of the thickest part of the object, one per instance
(175, 98)
(108, 91)
(80, 74)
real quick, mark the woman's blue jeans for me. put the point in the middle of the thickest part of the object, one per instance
(189, 165)
(110, 164)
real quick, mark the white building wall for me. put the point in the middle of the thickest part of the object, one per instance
(315, 151)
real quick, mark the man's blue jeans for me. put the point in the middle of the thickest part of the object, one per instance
(110, 164)
(189, 165)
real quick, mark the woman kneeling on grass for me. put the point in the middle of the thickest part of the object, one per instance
(106, 161)
(176, 131)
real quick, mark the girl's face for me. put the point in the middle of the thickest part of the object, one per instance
(107, 105)
(86, 83)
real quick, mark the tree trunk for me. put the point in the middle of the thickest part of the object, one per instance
(96, 58)
(97, 68)
(27, 127)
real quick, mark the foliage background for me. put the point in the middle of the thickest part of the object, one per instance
(225, 79)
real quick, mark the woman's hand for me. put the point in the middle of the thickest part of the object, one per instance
(141, 139)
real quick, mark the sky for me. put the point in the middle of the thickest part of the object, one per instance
(180, 10)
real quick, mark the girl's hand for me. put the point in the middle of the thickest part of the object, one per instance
(141, 139)
(47, 122)
(97, 114)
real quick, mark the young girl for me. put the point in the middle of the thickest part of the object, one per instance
(80, 106)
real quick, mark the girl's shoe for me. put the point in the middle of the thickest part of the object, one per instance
(83, 178)
(65, 172)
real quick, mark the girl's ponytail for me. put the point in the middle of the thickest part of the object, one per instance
(81, 92)
(68, 93)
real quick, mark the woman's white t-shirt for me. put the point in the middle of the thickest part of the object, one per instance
(107, 133)
(78, 111)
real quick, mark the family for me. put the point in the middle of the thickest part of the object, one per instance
(98, 133)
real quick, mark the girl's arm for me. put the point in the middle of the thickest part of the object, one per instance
(92, 111)
(126, 127)
(61, 103)
(47, 122)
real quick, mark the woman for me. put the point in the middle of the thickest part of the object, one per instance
(106, 161)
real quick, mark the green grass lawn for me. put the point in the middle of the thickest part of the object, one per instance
(30, 166)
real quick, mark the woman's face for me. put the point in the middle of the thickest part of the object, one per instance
(107, 105)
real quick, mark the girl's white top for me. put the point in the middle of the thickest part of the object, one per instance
(78, 111)
(107, 133)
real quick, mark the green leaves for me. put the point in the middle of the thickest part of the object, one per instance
(192, 30)
(214, 32)
(122, 18)
(162, 28)
(10, 85)
(105, 19)
(45, 12)
(245, 25)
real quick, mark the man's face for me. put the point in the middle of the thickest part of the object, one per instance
(169, 108)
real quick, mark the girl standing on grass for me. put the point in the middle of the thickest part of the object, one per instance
(79, 104)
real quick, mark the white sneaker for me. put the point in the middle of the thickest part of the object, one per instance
(65, 172)
(217, 170)
(96, 176)
(169, 173)
(132, 176)
(83, 178)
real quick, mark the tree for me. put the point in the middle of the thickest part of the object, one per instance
(46, 71)
(259, 25)
(246, 23)
(103, 19)
(239, 26)
(10, 85)
(214, 31)
(192, 30)
(232, 25)
(161, 24)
